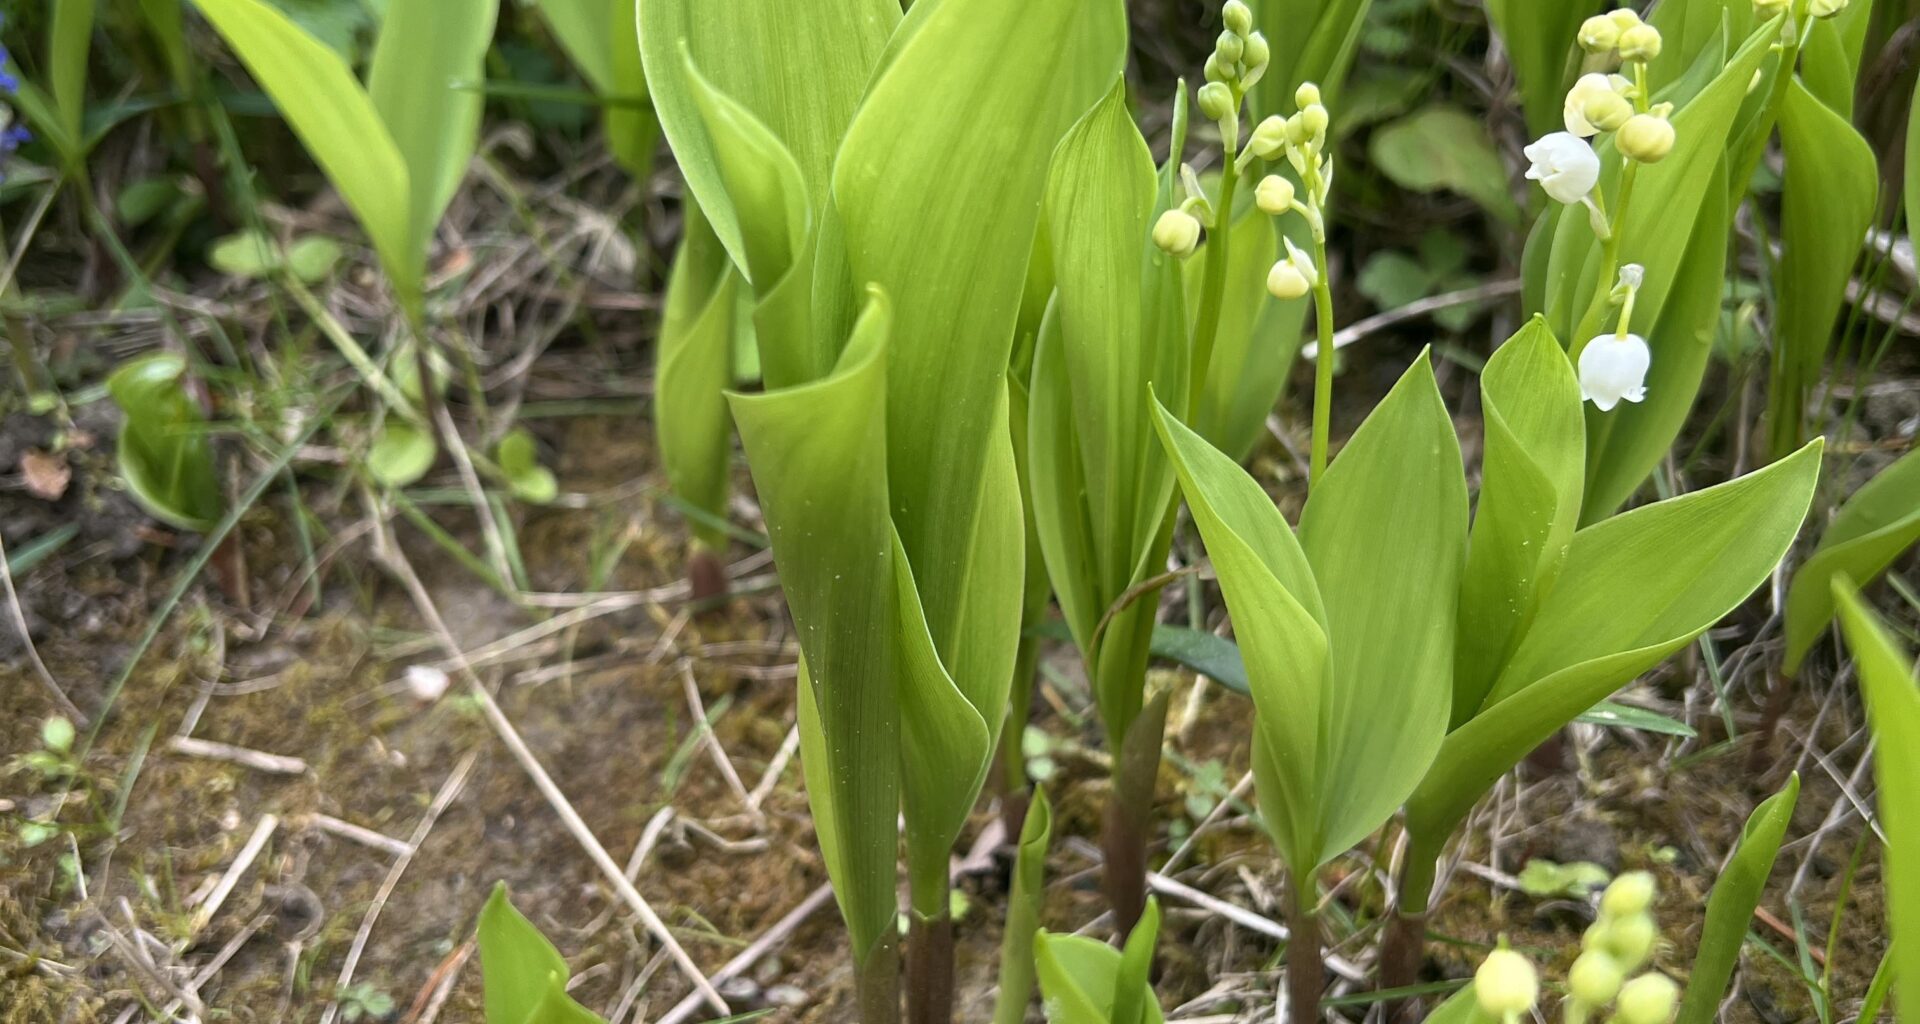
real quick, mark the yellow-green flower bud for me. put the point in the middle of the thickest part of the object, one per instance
(1607, 111)
(1599, 34)
(1506, 985)
(1297, 133)
(1595, 978)
(1237, 16)
(1315, 119)
(1648, 999)
(1286, 283)
(1641, 42)
(1230, 47)
(1624, 18)
(1629, 940)
(1769, 8)
(1257, 52)
(1274, 195)
(1631, 893)
(1177, 233)
(1269, 137)
(1308, 95)
(1216, 71)
(1216, 101)
(1826, 8)
(1646, 138)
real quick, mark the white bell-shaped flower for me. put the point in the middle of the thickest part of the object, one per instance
(1613, 369)
(1565, 166)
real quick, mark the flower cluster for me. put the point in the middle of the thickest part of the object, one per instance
(12, 136)
(1301, 140)
(1620, 942)
(1564, 163)
(1237, 63)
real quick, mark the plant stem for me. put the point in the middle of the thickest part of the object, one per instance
(1305, 968)
(1213, 290)
(1322, 366)
(1403, 950)
(930, 965)
(1014, 790)
(876, 983)
(1129, 816)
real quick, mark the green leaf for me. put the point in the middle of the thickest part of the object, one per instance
(1736, 892)
(1832, 185)
(1633, 590)
(1625, 716)
(1311, 41)
(1693, 29)
(311, 258)
(693, 370)
(426, 62)
(1540, 41)
(68, 42)
(1386, 533)
(581, 28)
(337, 122)
(1445, 148)
(800, 68)
(1542, 878)
(1080, 978)
(1880, 521)
(248, 254)
(517, 963)
(1530, 493)
(813, 450)
(1912, 189)
(519, 459)
(163, 451)
(401, 454)
(1025, 901)
(1259, 336)
(1893, 709)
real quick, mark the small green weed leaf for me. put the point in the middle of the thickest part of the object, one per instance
(247, 254)
(311, 258)
(164, 453)
(1445, 148)
(1544, 878)
(401, 455)
(519, 458)
(1736, 892)
(1880, 520)
(1081, 979)
(1613, 715)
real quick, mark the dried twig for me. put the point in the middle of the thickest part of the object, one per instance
(260, 761)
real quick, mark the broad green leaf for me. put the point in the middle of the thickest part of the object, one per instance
(519, 460)
(401, 454)
(581, 26)
(1442, 147)
(813, 450)
(1081, 979)
(517, 963)
(1025, 901)
(1274, 600)
(1462, 1007)
(1893, 709)
(68, 42)
(337, 122)
(557, 1007)
(1259, 336)
(426, 66)
(1386, 533)
(1689, 29)
(1633, 590)
(1540, 40)
(1830, 60)
(1625, 445)
(800, 68)
(1664, 215)
(1312, 41)
(1832, 186)
(602, 39)
(1736, 892)
(163, 451)
(694, 368)
(1912, 185)
(1880, 521)
(1530, 493)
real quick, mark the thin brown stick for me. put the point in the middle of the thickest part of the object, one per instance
(19, 617)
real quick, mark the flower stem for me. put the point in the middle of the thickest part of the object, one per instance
(1323, 365)
(1213, 290)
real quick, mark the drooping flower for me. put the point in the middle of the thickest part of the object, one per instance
(1274, 195)
(1648, 999)
(1647, 138)
(1294, 276)
(1565, 166)
(1613, 369)
(1506, 985)
(1177, 233)
(1594, 90)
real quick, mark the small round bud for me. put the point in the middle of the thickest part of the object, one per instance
(1286, 282)
(1631, 893)
(1297, 133)
(1646, 138)
(1237, 16)
(56, 734)
(1274, 195)
(1230, 47)
(1216, 101)
(1315, 119)
(1308, 95)
(1257, 52)
(1624, 18)
(1629, 940)
(1607, 111)
(1826, 8)
(1215, 70)
(1648, 999)
(1269, 137)
(1177, 233)
(1769, 8)
(1599, 34)
(1595, 978)
(1641, 42)
(1506, 985)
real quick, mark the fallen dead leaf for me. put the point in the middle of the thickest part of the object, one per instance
(47, 476)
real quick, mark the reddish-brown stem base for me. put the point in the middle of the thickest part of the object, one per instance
(1402, 951)
(1305, 968)
(930, 970)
